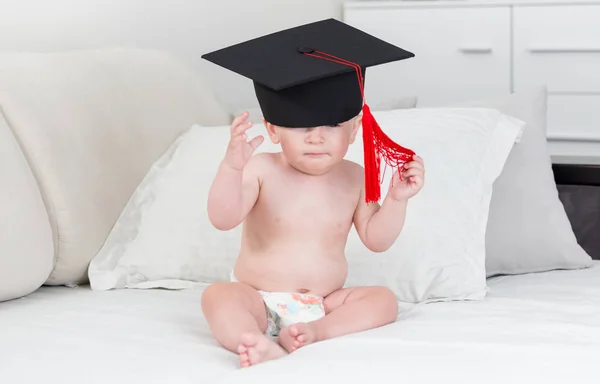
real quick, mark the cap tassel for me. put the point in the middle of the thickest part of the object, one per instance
(376, 143)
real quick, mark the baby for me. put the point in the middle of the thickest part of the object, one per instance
(298, 206)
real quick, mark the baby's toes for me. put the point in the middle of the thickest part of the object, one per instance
(305, 335)
(293, 330)
(254, 356)
(243, 354)
(287, 338)
(302, 338)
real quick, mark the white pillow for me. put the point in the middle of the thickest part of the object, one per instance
(164, 239)
(440, 253)
(526, 207)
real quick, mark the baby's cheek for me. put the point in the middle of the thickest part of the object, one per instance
(290, 147)
(341, 146)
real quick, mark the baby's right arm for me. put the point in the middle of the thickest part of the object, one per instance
(235, 187)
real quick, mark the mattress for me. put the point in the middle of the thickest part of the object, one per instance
(537, 328)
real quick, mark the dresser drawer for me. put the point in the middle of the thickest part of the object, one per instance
(574, 117)
(461, 53)
(557, 46)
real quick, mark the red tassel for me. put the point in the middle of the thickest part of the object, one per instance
(378, 145)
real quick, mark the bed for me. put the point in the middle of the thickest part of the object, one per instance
(538, 328)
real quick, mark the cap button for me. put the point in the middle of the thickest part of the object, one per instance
(305, 50)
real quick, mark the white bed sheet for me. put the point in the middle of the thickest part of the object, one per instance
(539, 328)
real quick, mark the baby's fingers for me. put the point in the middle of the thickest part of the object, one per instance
(414, 164)
(416, 161)
(416, 181)
(240, 130)
(412, 172)
(254, 143)
(238, 120)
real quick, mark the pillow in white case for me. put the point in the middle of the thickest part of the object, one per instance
(528, 229)
(164, 238)
(440, 254)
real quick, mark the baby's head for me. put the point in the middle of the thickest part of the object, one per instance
(315, 150)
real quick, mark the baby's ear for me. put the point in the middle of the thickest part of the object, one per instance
(271, 131)
(355, 125)
(358, 121)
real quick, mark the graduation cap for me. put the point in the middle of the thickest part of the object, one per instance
(313, 75)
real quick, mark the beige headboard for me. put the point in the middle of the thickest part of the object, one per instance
(88, 125)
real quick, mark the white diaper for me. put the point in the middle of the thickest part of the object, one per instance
(287, 308)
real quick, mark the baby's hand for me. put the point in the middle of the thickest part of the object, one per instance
(413, 177)
(239, 151)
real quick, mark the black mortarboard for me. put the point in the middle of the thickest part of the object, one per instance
(313, 75)
(298, 90)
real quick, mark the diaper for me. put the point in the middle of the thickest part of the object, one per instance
(287, 308)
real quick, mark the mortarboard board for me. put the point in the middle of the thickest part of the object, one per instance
(313, 75)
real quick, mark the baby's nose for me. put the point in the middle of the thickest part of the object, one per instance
(315, 135)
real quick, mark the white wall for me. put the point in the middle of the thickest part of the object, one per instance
(187, 28)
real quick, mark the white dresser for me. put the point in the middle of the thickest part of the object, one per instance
(477, 49)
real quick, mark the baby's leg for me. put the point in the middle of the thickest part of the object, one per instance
(346, 311)
(237, 317)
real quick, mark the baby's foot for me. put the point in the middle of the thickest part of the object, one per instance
(256, 347)
(296, 336)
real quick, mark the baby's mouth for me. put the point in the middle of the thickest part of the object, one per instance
(315, 154)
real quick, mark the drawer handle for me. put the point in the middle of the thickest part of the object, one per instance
(478, 50)
(564, 50)
(576, 137)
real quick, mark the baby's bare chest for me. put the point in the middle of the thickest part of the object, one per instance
(312, 205)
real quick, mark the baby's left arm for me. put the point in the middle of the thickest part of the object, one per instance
(379, 226)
